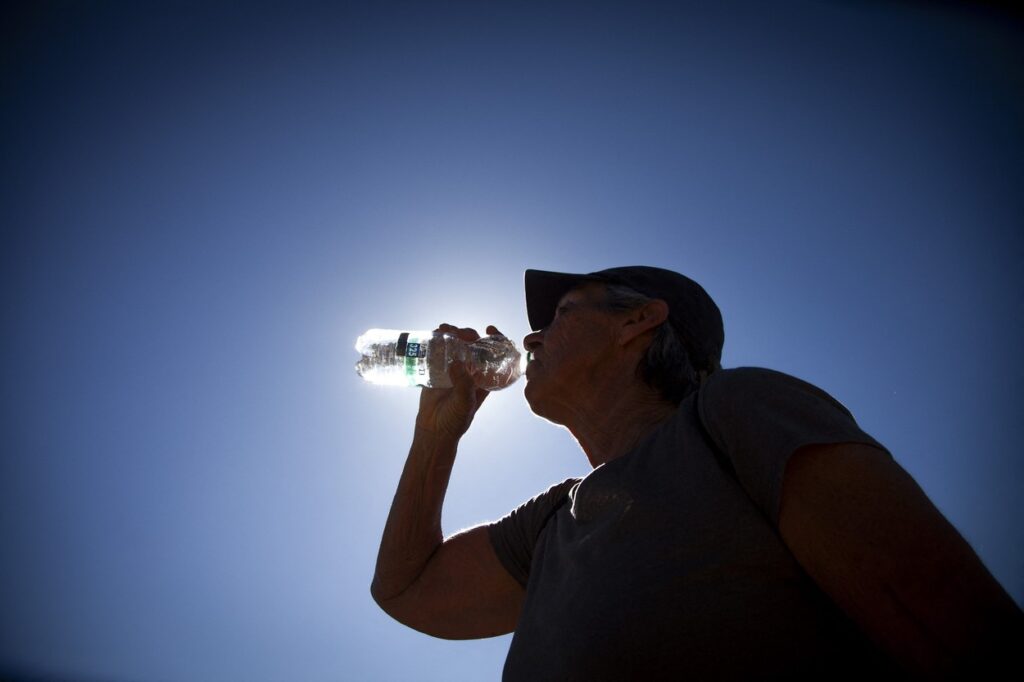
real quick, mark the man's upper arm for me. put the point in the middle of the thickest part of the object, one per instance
(464, 592)
(868, 535)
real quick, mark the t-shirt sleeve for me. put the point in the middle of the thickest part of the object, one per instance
(758, 417)
(515, 535)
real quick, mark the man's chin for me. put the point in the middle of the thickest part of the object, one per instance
(531, 393)
(538, 405)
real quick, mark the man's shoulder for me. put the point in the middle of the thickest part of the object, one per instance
(553, 497)
(740, 376)
(561, 489)
(742, 385)
(750, 374)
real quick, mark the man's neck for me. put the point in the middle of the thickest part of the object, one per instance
(609, 430)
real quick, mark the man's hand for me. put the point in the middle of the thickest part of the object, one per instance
(448, 412)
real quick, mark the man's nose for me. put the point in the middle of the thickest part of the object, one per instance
(532, 341)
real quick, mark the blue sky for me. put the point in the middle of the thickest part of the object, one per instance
(202, 207)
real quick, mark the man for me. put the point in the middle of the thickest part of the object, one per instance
(738, 524)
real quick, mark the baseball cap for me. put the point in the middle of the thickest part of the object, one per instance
(692, 312)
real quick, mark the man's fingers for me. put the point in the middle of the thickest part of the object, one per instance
(465, 333)
(461, 378)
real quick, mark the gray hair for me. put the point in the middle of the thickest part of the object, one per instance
(666, 366)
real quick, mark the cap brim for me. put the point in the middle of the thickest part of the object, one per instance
(543, 292)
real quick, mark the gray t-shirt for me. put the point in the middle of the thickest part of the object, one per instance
(667, 563)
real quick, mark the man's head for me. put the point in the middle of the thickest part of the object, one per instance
(667, 321)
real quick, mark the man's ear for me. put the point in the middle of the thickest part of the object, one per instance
(643, 319)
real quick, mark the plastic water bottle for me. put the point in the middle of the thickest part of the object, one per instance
(421, 358)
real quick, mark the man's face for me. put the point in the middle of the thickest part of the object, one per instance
(569, 352)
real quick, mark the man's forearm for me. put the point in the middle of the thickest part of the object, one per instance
(413, 529)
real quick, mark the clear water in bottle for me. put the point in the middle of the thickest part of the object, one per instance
(421, 358)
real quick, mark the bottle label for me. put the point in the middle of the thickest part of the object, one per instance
(413, 353)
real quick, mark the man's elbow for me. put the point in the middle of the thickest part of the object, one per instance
(383, 598)
(395, 604)
(389, 604)
(406, 613)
